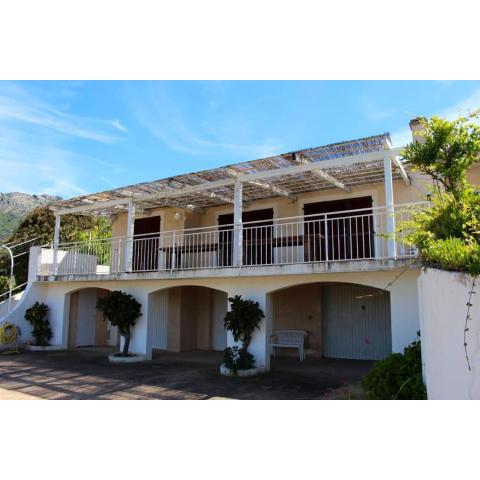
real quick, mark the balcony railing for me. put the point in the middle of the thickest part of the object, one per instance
(327, 237)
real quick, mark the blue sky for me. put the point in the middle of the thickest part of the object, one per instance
(70, 138)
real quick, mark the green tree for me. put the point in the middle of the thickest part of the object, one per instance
(242, 319)
(445, 150)
(447, 235)
(122, 311)
(40, 223)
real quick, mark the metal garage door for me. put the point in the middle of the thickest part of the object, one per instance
(219, 310)
(158, 312)
(356, 322)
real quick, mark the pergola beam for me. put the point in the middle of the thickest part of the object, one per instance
(178, 185)
(217, 196)
(398, 163)
(304, 160)
(206, 186)
(266, 186)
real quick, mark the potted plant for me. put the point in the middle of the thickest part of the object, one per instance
(122, 311)
(37, 316)
(242, 320)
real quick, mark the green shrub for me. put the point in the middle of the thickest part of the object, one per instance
(447, 235)
(398, 377)
(4, 285)
(237, 358)
(36, 315)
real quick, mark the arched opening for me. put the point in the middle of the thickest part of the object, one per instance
(341, 320)
(86, 327)
(187, 318)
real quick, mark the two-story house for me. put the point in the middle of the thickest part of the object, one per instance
(313, 235)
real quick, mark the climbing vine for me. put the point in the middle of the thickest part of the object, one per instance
(467, 320)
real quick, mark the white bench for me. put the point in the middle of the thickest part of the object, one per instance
(288, 339)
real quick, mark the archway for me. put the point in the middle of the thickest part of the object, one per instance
(342, 320)
(187, 318)
(86, 326)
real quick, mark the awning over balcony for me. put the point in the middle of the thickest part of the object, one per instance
(336, 166)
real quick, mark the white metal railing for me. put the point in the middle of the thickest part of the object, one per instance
(327, 237)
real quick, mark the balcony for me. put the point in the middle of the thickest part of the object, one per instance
(345, 241)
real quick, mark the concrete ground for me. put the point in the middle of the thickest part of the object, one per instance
(86, 374)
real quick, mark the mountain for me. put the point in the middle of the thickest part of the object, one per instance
(15, 205)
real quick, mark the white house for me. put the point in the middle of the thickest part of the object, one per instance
(309, 234)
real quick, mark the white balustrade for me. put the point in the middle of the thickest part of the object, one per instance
(327, 237)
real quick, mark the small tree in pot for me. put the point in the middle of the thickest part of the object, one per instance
(122, 311)
(242, 320)
(36, 315)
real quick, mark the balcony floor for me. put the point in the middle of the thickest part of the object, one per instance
(249, 271)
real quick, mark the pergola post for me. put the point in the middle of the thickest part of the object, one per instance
(390, 208)
(237, 226)
(129, 240)
(56, 241)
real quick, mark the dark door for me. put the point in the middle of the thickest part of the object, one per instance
(257, 237)
(145, 247)
(349, 235)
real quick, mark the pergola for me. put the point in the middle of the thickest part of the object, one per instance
(336, 166)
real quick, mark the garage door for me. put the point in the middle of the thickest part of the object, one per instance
(356, 322)
(158, 313)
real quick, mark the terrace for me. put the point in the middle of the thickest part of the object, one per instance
(334, 239)
(344, 240)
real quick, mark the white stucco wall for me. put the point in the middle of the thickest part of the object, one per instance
(403, 294)
(442, 303)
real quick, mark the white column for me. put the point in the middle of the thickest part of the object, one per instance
(391, 244)
(56, 241)
(237, 221)
(129, 239)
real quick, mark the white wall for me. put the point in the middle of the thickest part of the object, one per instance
(404, 302)
(442, 300)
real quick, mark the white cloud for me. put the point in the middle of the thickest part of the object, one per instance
(28, 110)
(463, 107)
(35, 156)
(29, 166)
(403, 136)
(118, 125)
(167, 117)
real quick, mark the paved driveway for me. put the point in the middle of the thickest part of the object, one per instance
(86, 374)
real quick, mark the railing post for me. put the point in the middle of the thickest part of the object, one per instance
(129, 240)
(325, 219)
(390, 210)
(237, 227)
(56, 241)
(174, 252)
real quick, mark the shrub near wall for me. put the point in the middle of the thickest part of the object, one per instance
(398, 377)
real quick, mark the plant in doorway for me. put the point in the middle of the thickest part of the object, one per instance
(122, 311)
(242, 320)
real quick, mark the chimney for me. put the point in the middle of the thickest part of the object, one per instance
(417, 128)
